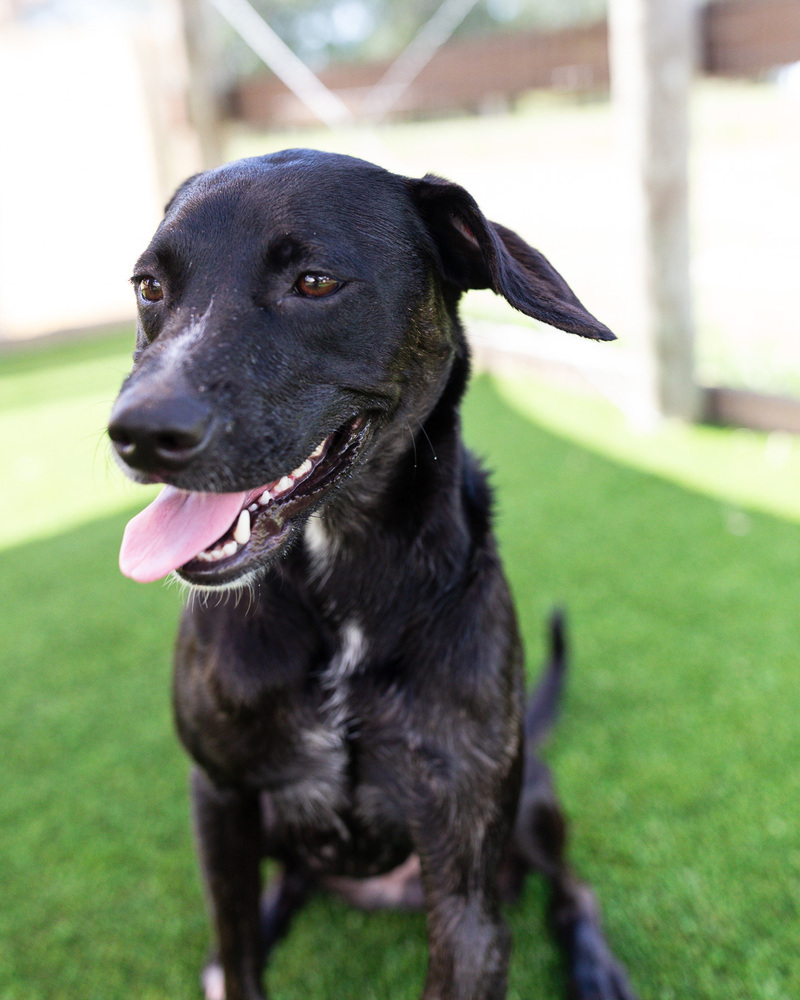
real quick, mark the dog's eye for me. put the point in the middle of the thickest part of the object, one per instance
(316, 285)
(150, 289)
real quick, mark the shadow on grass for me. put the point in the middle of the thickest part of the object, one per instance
(676, 754)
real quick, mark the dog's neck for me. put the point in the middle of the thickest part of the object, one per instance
(404, 507)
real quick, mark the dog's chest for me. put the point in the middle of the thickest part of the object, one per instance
(318, 784)
(275, 714)
(302, 747)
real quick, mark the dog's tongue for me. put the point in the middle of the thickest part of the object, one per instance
(174, 529)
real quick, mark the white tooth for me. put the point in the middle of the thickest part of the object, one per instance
(319, 449)
(302, 470)
(229, 549)
(265, 498)
(285, 484)
(242, 530)
(215, 555)
(253, 508)
(202, 557)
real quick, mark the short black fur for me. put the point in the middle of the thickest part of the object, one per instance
(357, 713)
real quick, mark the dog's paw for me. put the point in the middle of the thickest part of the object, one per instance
(594, 972)
(213, 981)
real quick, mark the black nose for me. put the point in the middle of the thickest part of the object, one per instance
(155, 433)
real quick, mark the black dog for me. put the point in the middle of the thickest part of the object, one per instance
(358, 716)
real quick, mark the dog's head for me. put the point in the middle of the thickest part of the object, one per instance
(295, 311)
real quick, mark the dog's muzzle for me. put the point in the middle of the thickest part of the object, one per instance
(157, 434)
(217, 539)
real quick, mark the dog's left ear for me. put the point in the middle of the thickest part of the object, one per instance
(476, 253)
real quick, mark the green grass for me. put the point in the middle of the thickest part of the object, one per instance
(676, 754)
(54, 405)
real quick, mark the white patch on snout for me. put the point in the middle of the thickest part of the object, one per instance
(175, 349)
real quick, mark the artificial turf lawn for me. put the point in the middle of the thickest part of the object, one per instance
(676, 754)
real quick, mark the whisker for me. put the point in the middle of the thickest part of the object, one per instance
(433, 450)
(413, 442)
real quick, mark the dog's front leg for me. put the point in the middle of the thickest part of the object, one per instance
(468, 942)
(228, 826)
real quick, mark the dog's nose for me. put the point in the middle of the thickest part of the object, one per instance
(156, 433)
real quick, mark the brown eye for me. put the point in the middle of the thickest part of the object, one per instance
(317, 285)
(150, 289)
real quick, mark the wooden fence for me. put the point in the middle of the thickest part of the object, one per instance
(749, 37)
(736, 38)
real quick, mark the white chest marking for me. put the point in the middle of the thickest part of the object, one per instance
(354, 647)
(316, 536)
(317, 798)
(343, 665)
(318, 543)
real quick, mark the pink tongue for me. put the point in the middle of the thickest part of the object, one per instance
(173, 529)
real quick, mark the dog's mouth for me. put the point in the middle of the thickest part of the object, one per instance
(214, 539)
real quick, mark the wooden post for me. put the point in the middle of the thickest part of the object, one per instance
(652, 54)
(203, 91)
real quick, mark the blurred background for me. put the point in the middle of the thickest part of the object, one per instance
(107, 106)
(651, 150)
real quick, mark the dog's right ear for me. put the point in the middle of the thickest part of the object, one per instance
(476, 253)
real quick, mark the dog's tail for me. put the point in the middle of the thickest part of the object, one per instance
(544, 704)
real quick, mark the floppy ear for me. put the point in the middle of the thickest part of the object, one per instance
(476, 253)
